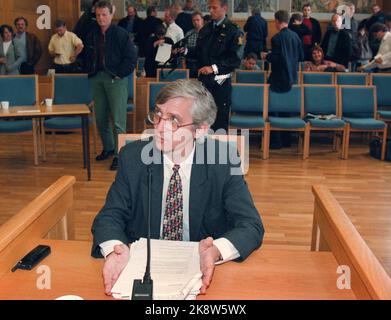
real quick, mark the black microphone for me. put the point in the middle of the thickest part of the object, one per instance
(143, 289)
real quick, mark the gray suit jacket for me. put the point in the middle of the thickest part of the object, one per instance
(15, 56)
(220, 204)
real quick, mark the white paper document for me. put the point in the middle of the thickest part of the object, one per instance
(163, 53)
(175, 270)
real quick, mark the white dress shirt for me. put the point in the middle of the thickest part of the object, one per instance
(384, 53)
(227, 249)
(6, 46)
(174, 32)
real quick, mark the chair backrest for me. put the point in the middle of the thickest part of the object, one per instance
(167, 76)
(153, 90)
(71, 89)
(358, 101)
(351, 78)
(382, 82)
(249, 98)
(238, 141)
(132, 87)
(288, 102)
(19, 90)
(320, 99)
(251, 76)
(318, 78)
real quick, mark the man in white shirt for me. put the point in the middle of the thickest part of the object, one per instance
(382, 61)
(173, 30)
(197, 195)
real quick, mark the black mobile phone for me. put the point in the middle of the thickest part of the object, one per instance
(34, 257)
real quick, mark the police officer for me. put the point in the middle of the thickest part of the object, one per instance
(217, 55)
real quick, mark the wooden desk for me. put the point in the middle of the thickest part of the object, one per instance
(267, 274)
(38, 114)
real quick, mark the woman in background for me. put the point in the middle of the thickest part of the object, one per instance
(11, 54)
(318, 63)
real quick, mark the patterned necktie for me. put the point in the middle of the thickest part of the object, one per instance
(173, 216)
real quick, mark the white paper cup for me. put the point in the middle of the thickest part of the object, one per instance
(70, 297)
(49, 103)
(5, 105)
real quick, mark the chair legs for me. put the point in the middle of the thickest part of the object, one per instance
(266, 142)
(306, 144)
(384, 145)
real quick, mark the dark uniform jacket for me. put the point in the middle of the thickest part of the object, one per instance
(220, 204)
(219, 46)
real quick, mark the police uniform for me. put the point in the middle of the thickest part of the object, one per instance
(217, 46)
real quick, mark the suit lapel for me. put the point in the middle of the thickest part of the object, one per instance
(197, 201)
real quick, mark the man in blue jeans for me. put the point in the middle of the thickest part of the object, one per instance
(111, 59)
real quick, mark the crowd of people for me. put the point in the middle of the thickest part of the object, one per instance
(210, 46)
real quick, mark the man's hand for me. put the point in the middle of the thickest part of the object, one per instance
(158, 43)
(72, 59)
(379, 60)
(114, 265)
(205, 70)
(3, 60)
(209, 254)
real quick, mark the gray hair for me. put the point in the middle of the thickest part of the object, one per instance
(203, 109)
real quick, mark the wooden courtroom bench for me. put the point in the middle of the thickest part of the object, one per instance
(266, 274)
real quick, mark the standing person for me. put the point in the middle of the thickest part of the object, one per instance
(315, 38)
(191, 43)
(183, 19)
(378, 16)
(111, 59)
(11, 53)
(362, 52)
(337, 44)
(64, 46)
(148, 28)
(151, 48)
(382, 61)
(30, 43)
(296, 25)
(173, 30)
(217, 56)
(287, 51)
(257, 32)
(353, 31)
(133, 24)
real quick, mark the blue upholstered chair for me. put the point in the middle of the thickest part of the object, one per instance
(359, 110)
(132, 99)
(20, 91)
(251, 76)
(249, 111)
(322, 100)
(382, 82)
(289, 103)
(317, 78)
(69, 89)
(351, 79)
(164, 75)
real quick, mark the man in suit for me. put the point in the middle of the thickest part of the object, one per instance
(287, 51)
(337, 44)
(194, 199)
(257, 32)
(147, 28)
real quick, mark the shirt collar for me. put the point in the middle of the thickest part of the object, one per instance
(219, 22)
(185, 166)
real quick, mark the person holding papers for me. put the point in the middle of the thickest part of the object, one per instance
(151, 48)
(198, 193)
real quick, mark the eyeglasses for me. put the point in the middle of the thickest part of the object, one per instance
(155, 118)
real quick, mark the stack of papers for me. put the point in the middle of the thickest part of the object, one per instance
(175, 270)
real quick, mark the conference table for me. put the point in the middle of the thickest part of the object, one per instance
(38, 114)
(266, 274)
